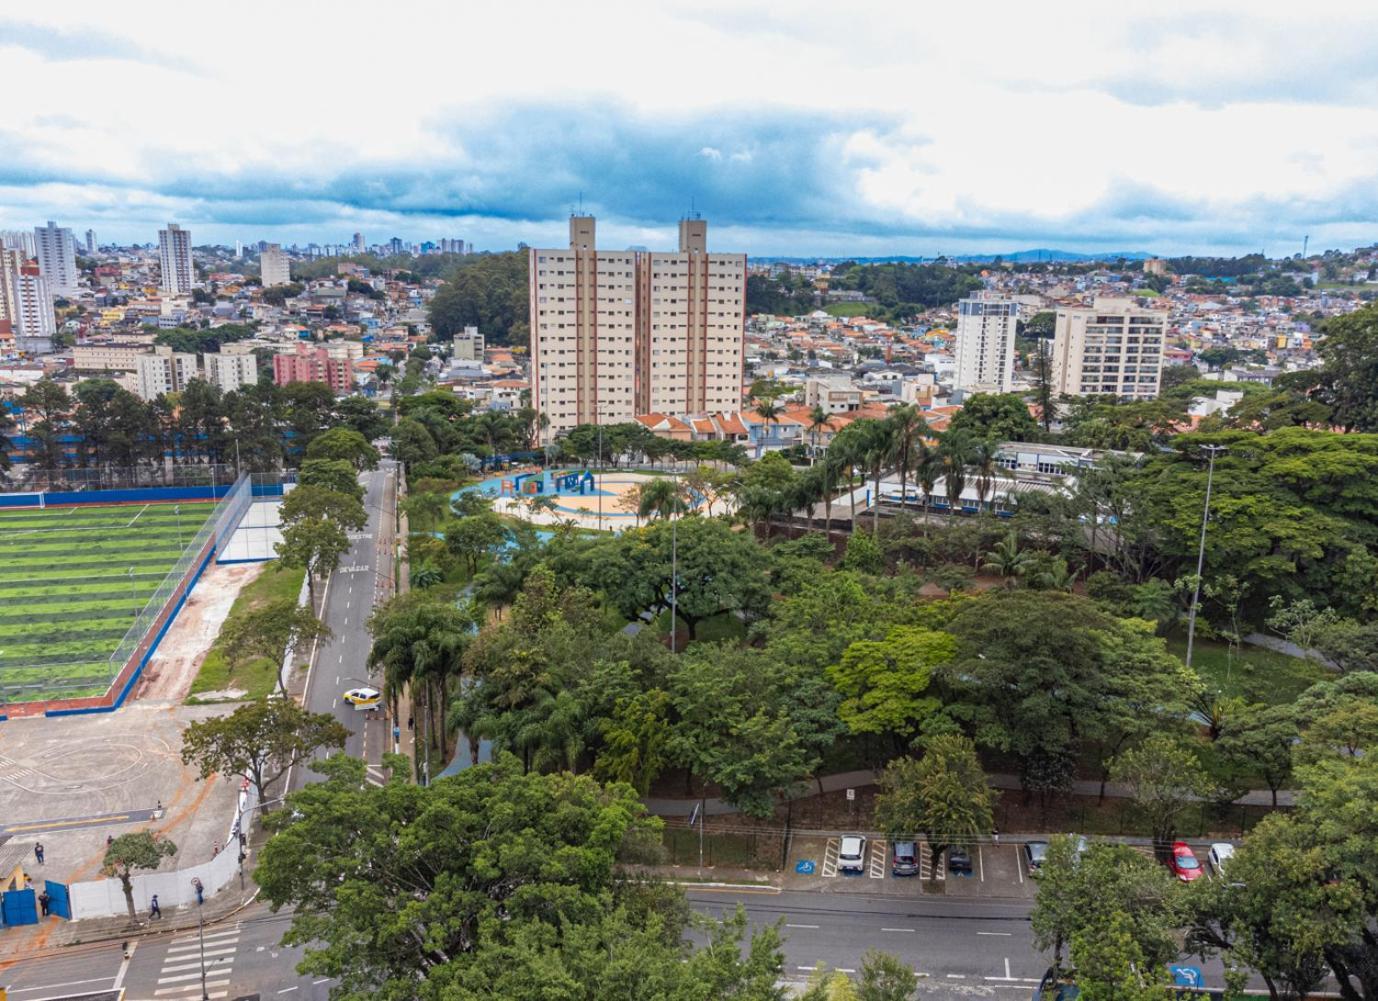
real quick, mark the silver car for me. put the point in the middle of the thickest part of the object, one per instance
(851, 855)
(1220, 854)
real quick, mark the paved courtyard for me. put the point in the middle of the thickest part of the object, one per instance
(70, 782)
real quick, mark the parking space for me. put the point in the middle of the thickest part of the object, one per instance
(931, 867)
(880, 859)
(996, 871)
(830, 850)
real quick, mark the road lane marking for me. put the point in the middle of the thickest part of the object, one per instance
(830, 851)
(981, 863)
(69, 983)
(209, 937)
(323, 980)
(876, 863)
(1018, 866)
(286, 990)
(1005, 934)
(815, 927)
(898, 929)
(956, 976)
(334, 703)
(185, 954)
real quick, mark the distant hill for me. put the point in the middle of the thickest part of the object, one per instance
(1016, 257)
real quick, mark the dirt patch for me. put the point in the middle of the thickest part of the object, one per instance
(170, 671)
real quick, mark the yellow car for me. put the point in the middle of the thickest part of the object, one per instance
(364, 698)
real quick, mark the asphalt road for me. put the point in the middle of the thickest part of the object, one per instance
(362, 580)
(961, 949)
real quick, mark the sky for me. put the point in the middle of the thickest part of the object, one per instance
(802, 128)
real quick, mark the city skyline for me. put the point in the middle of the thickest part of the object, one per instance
(832, 132)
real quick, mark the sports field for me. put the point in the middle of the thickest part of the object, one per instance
(72, 580)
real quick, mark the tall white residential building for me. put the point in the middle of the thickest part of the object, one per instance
(273, 267)
(163, 371)
(985, 344)
(18, 239)
(357, 244)
(174, 257)
(90, 242)
(56, 251)
(1114, 347)
(26, 303)
(620, 333)
(232, 371)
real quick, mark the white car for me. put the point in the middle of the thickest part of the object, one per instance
(1217, 858)
(851, 856)
(364, 698)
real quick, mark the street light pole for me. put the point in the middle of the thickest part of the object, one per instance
(1212, 451)
(674, 566)
(598, 483)
(201, 931)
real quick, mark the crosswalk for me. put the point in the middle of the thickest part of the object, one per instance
(180, 976)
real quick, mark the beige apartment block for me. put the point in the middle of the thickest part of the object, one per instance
(164, 371)
(106, 357)
(619, 333)
(1114, 348)
(986, 326)
(273, 266)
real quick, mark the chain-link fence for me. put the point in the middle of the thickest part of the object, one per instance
(25, 478)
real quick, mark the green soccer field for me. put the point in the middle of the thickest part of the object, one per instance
(71, 581)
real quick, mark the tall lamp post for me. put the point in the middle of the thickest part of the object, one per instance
(1211, 451)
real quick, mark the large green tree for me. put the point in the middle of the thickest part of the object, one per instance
(942, 795)
(494, 883)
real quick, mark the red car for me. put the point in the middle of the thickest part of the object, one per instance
(1184, 863)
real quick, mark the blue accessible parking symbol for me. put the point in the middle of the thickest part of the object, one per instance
(1187, 976)
(804, 867)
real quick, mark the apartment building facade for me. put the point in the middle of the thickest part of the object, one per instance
(313, 364)
(163, 371)
(174, 258)
(620, 333)
(273, 267)
(26, 303)
(985, 344)
(1114, 347)
(56, 250)
(230, 371)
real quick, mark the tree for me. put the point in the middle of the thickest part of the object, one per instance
(716, 570)
(1258, 739)
(995, 417)
(904, 425)
(1277, 911)
(818, 422)
(309, 501)
(1163, 778)
(361, 414)
(943, 795)
(1084, 892)
(346, 445)
(883, 682)
(1110, 965)
(261, 740)
(412, 443)
(1007, 560)
(473, 537)
(316, 544)
(335, 475)
(660, 498)
(494, 883)
(1349, 371)
(269, 632)
(131, 852)
(955, 453)
(885, 978)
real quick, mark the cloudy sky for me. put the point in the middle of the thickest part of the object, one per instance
(809, 128)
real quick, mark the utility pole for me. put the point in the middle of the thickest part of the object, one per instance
(674, 566)
(201, 931)
(1212, 451)
(598, 483)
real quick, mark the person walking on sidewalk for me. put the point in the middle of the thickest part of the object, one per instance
(38, 852)
(200, 891)
(43, 901)
(154, 911)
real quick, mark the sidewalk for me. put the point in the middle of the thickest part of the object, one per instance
(53, 933)
(715, 807)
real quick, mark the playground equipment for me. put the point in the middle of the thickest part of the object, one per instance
(531, 484)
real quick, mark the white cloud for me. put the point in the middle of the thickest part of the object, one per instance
(1178, 124)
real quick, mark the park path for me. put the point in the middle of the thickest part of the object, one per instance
(713, 806)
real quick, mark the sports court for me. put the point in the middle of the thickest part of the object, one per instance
(73, 580)
(590, 499)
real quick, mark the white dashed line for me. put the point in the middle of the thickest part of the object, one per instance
(898, 929)
(1004, 934)
(815, 927)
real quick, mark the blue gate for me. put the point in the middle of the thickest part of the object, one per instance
(59, 900)
(20, 907)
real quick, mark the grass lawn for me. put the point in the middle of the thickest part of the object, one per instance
(851, 308)
(258, 677)
(71, 581)
(1252, 672)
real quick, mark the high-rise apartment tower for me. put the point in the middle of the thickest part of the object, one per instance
(1114, 348)
(56, 251)
(174, 256)
(620, 333)
(985, 344)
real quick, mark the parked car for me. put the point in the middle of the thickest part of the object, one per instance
(1184, 864)
(851, 854)
(904, 858)
(958, 860)
(1220, 854)
(364, 698)
(1034, 854)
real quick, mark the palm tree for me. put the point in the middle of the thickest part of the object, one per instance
(876, 452)
(818, 420)
(985, 463)
(769, 411)
(1006, 559)
(927, 466)
(1056, 576)
(832, 465)
(904, 424)
(661, 498)
(426, 575)
(955, 451)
